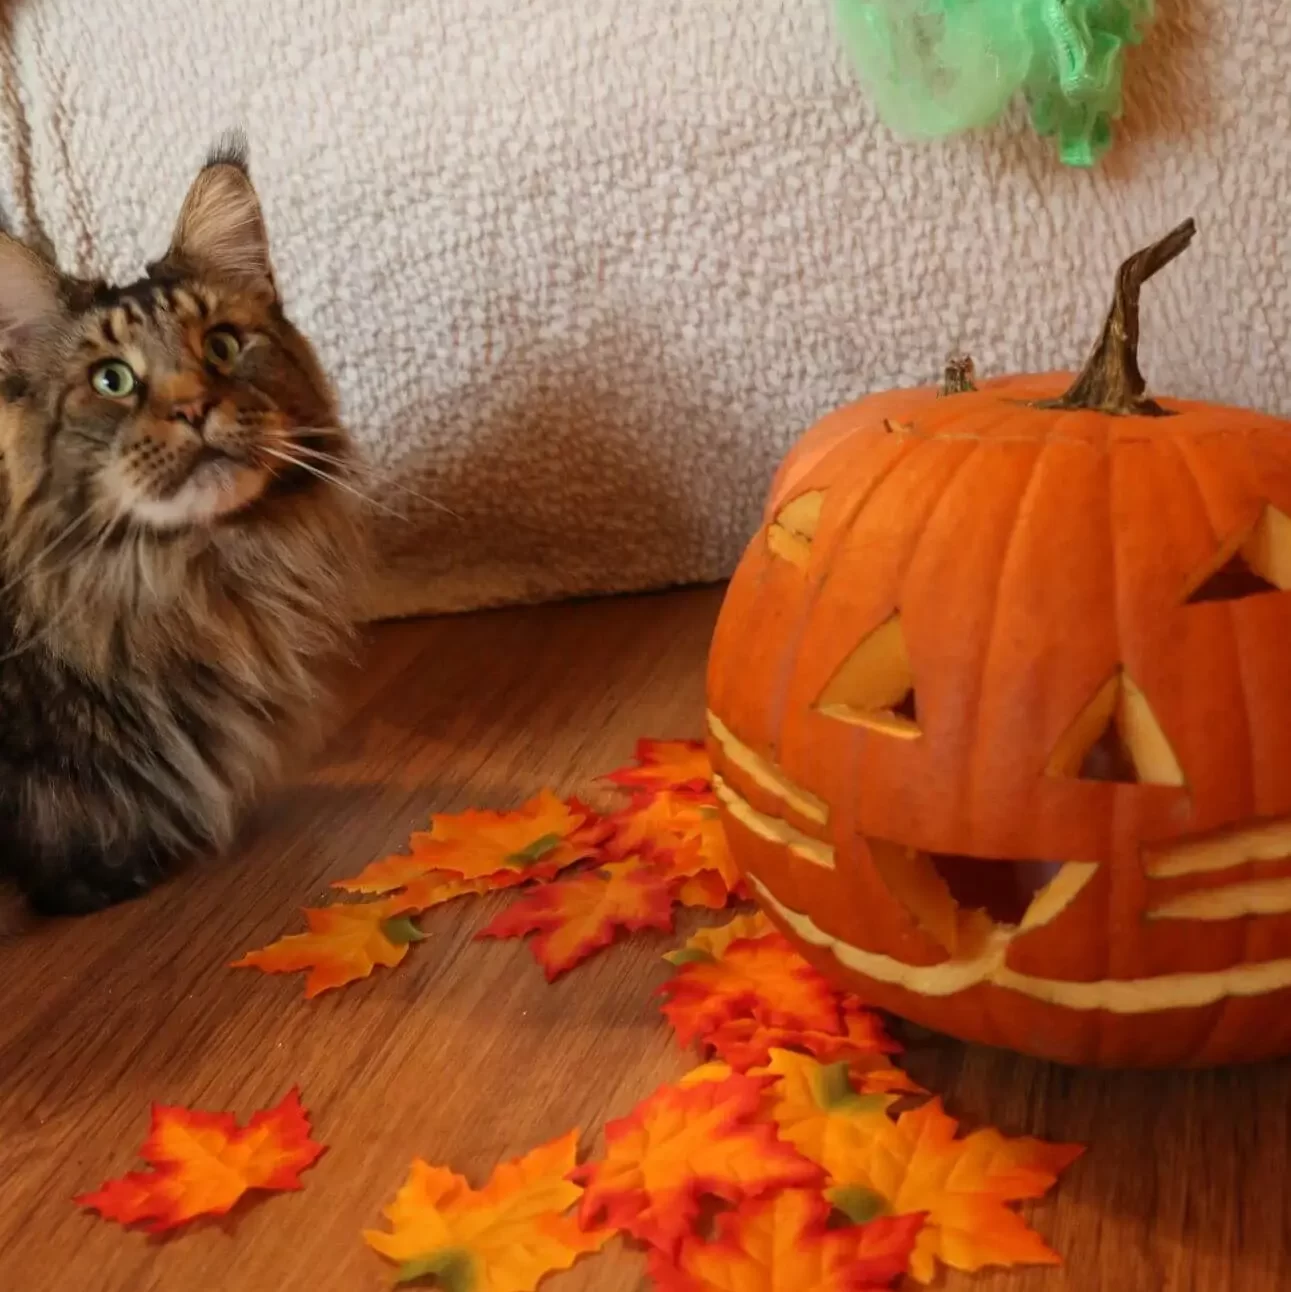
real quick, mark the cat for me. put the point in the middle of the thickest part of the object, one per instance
(179, 551)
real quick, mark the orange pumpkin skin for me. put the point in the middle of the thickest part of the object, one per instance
(1032, 557)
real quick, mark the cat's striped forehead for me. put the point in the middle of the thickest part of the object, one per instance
(112, 318)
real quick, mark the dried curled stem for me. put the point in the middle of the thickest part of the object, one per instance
(958, 376)
(1110, 381)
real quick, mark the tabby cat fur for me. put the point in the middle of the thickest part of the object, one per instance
(179, 552)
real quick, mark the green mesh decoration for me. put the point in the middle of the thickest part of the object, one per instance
(936, 67)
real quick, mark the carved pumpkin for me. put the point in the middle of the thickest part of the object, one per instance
(1000, 710)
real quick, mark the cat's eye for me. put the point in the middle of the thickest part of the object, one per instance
(113, 379)
(222, 346)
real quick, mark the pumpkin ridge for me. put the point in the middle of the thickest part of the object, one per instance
(1190, 472)
(816, 588)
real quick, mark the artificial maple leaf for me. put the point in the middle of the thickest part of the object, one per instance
(916, 1164)
(504, 1237)
(711, 943)
(784, 1244)
(666, 765)
(659, 822)
(344, 944)
(819, 1111)
(574, 917)
(681, 1143)
(863, 1047)
(434, 890)
(703, 858)
(536, 841)
(760, 978)
(706, 891)
(204, 1162)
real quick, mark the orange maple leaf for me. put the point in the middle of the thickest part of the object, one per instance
(819, 1111)
(916, 1164)
(658, 822)
(536, 841)
(711, 943)
(344, 944)
(574, 917)
(863, 1046)
(763, 978)
(204, 1162)
(679, 1144)
(784, 1244)
(666, 765)
(504, 1237)
(704, 860)
(682, 831)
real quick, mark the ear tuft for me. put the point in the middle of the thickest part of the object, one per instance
(221, 229)
(30, 296)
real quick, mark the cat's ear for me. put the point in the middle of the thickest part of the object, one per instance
(31, 300)
(221, 229)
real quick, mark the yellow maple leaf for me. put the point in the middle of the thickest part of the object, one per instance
(916, 1164)
(820, 1113)
(344, 944)
(504, 1237)
(711, 943)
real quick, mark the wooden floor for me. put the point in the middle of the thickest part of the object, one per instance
(465, 1055)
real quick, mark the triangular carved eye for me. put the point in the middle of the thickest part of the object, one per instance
(874, 686)
(1116, 737)
(1252, 563)
(789, 536)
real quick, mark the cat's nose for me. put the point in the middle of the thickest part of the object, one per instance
(192, 411)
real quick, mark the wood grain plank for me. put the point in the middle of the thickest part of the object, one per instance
(465, 1055)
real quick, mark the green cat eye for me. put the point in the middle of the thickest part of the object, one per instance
(222, 346)
(113, 379)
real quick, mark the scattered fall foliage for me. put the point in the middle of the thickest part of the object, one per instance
(504, 1237)
(784, 1243)
(788, 1126)
(680, 1144)
(574, 917)
(344, 944)
(203, 1163)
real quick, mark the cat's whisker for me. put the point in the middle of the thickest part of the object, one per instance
(351, 464)
(333, 480)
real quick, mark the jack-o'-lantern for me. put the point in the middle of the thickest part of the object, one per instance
(1000, 710)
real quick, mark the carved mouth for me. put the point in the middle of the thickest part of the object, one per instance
(961, 901)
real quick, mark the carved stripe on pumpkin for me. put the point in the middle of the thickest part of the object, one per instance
(1116, 995)
(1267, 841)
(773, 828)
(766, 774)
(1259, 897)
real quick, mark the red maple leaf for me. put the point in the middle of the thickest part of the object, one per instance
(666, 765)
(760, 978)
(784, 1243)
(680, 1144)
(577, 916)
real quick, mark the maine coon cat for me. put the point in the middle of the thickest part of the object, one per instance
(178, 552)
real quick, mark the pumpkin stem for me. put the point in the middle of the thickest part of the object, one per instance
(958, 376)
(1110, 381)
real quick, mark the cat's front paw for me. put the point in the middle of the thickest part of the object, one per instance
(85, 890)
